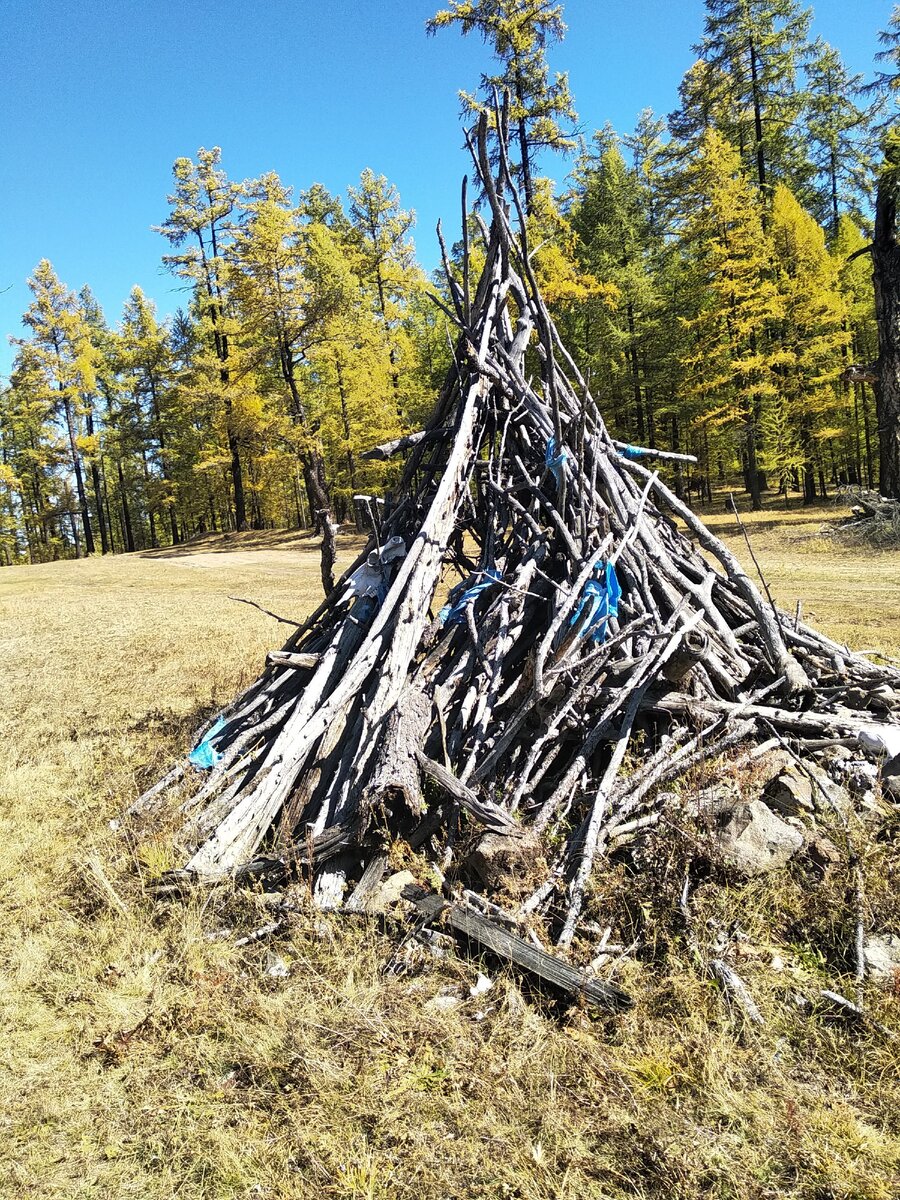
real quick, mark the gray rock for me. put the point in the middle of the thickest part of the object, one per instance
(389, 892)
(791, 793)
(823, 853)
(798, 791)
(505, 862)
(753, 839)
(882, 955)
(715, 800)
(767, 766)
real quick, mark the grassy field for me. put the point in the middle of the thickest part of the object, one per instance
(145, 1055)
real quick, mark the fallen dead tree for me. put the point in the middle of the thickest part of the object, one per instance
(598, 643)
(874, 520)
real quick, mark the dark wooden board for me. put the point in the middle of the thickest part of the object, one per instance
(484, 934)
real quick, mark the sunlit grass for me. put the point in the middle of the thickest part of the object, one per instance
(144, 1055)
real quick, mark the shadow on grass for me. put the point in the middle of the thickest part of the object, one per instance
(302, 540)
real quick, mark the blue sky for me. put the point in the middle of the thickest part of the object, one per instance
(98, 97)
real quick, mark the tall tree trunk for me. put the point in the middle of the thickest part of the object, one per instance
(392, 353)
(311, 460)
(126, 512)
(835, 209)
(345, 421)
(635, 377)
(220, 341)
(757, 122)
(109, 520)
(522, 132)
(234, 449)
(151, 510)
(886, 277)
(74, 526)
(163, 467)
(79, 480)
(867, 433)
(857, 438)
(676, 447)
(753, 467)
(98, 491)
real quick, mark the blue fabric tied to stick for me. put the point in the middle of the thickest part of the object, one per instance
(633, 452)
(553, 461)
(204, 754)
(455, 613)
(600, 601)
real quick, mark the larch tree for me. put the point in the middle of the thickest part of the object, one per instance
(145, 363)
(728, 362)
(33, 457)
(850, 251)
(541, 112)
(61, 354)
(885, 250)
(613, 228)
(754, 49)
(811, 333)
(288, 279)
(200, 227)
(839, 132)
(379, 234)
(91, 403)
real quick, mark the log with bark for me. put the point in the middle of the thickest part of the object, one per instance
(598, 642)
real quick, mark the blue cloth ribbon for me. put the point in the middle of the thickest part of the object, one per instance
(634, 452)
(600, 601)
(553, 461)
(204, 754)
(455, 613)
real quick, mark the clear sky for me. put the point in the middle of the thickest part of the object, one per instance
(98, 98)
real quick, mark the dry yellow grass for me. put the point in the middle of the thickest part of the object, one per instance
(852, 595)
(144, 1055)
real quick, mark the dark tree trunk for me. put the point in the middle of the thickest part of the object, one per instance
(163, 467)
(79, 480)
(109, 520)
(753, 472)
(74, 525)
(311, 460)
(151, 511)
(345, 420)
(237, 475)
(676, 446)
(886, 276)
(757, 123)
(867, 431)
(98, 489)
(636, 378)
(126, 512)
(522, 132)
(220, 341)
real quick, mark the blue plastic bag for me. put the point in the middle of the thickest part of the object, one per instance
(455, 613)
(205, 755)
(599, 601)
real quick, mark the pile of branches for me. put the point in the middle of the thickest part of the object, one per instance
(539, 641)
(874, 520)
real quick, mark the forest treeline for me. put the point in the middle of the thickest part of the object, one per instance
(708, 272)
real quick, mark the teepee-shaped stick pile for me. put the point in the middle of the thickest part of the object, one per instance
(598, 643)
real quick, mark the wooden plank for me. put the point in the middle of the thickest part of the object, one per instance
(389, 449)
(369, 882)
(296, 662)
(483, 933)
